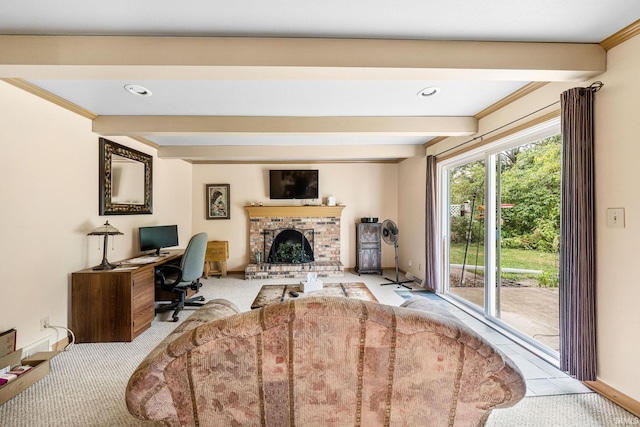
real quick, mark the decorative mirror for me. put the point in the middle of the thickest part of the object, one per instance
(125, 180)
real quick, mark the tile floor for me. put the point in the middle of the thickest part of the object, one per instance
(543, 379)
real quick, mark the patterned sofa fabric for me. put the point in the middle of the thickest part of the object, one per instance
(325, 361)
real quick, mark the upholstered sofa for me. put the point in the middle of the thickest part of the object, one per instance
(322, 361)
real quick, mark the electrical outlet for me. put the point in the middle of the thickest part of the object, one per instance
(409, 263)
(419, 267)
(44, 323)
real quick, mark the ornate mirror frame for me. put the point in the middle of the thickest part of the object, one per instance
(106, 179)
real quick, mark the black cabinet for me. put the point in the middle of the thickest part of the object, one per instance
(368, 250)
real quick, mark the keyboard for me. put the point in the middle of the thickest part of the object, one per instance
(143, 260)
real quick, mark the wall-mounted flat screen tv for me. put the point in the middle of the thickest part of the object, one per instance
(293, 184)
(158, 237)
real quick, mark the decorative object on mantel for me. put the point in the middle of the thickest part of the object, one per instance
(125, 177)
(105, 230)
(218, 201)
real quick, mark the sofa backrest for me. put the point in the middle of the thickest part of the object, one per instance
(326, 361)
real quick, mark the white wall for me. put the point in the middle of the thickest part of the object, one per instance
(367, 189)
(617, 152)
(49, 194)
(617, 176)
(411, 215)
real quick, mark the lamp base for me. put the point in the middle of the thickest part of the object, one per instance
(105, 266)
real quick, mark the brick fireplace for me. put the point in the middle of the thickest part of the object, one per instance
(319, 224)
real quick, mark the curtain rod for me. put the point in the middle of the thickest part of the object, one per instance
(593, 87)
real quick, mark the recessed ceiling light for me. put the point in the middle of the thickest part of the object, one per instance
(138, 90)
(428, 91)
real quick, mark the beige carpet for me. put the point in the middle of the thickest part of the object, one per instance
(575, 410)
(86, 384)
(273, 294)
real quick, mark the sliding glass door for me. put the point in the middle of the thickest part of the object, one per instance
(500, 210)
(466, 231)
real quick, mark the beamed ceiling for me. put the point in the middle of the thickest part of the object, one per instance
(300, 80)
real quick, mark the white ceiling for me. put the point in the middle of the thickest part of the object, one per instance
(582, 21)
(316, 94)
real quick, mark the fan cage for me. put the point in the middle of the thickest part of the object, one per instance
(387, 234)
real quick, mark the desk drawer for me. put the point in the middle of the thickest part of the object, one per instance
(142, 301)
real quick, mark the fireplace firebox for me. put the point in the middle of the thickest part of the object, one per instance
(289, 246)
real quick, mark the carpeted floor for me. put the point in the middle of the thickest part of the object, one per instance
(87, 383)
(579, 410)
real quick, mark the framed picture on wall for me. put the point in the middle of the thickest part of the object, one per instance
(218, 201)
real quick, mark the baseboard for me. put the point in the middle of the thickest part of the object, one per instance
(615, 396)
(229, 272)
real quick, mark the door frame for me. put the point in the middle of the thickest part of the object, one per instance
(487, 152)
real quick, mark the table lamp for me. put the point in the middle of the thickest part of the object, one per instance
(105, 230)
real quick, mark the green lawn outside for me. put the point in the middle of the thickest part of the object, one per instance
(510, 258)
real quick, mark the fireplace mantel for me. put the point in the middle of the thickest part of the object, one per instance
(294, 211)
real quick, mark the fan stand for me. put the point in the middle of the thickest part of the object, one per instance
(397, 281)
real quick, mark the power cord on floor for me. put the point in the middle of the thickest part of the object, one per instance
(73, 336)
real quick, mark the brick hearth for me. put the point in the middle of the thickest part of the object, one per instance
(292, 271)
(325, 222)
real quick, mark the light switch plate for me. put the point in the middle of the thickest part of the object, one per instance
(615, 217)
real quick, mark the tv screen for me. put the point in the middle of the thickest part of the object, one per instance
(158, 237)
(293, 184)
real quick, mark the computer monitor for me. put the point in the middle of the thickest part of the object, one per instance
(158, 237)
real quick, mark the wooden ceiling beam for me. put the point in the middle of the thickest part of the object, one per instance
(206, 58)
(248, 125)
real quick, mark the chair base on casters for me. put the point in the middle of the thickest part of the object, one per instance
(178, 304)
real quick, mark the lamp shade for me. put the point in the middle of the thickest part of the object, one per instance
(105, 230)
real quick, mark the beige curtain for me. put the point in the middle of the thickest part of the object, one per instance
(577, 236)
(431, 240)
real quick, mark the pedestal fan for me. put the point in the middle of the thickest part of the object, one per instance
(390, 234)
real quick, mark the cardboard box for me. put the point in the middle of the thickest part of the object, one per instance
(41, 367)
(10, 360)
(7, 342)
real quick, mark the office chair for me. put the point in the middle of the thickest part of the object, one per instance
(179, 279)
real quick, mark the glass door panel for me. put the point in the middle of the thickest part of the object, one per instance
(501, 228)
(527, 212)
(466, 232)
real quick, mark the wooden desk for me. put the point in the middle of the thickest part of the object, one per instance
(114, 305)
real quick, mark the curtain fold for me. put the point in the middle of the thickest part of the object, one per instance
(431, 229)
(577, 236)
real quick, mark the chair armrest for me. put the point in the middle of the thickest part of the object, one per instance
(162, 271)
